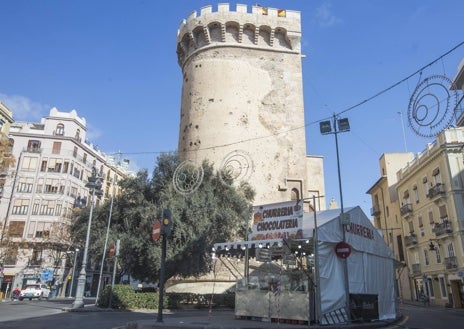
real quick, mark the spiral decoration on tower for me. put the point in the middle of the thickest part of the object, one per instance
(238, 164)
(432, 106)
(187, 177)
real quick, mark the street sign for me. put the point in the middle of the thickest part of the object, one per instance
(112, 250)
(156, 230)
(343, 250)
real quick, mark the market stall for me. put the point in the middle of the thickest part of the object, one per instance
(306, 280)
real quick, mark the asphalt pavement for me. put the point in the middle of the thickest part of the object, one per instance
(222, 319)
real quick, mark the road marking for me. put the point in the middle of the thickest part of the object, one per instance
(399, 324)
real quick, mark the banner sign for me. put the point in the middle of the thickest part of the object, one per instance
(282, 220)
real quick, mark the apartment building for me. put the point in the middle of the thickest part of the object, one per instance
(53, 162)
(419, 206)
(387, 217)
(6, 159)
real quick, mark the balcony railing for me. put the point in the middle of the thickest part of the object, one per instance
(410, 240)
(442, 228)
(451, 262)
(416, 269)
(406, 209)
(375, 210)
(437, 190)
(33, 149)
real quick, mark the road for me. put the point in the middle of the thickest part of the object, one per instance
(45, 314)
(49, 314)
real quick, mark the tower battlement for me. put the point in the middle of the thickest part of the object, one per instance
(263, 28)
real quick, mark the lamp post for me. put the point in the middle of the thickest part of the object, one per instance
(340, 125)
(74, 271)
(104, 248)
(94, 185)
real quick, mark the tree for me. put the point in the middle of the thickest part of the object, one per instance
(215, 212)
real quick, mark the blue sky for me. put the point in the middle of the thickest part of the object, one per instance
(115, 63)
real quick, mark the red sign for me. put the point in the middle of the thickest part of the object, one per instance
(343, 250)
(156, 231)
(112, 250)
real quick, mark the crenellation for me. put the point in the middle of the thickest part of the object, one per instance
(286, 24)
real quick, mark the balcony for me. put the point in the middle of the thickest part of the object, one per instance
(375, 210)
(451, 262)
(35, 262)
(406, 210)
(410, 240)
(436, 191)
(33, 149)
(442, 228)
(416, 269)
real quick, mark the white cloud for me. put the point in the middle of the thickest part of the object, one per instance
(23, 108)
(324, 16)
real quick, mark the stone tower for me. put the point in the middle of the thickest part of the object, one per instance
(242, 99)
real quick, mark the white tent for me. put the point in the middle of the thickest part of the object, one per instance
(370, 264)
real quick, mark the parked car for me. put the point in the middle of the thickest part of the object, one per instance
(34, 291)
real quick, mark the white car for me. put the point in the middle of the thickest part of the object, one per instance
(34, 291)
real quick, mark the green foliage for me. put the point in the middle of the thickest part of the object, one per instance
(215, 212)
(124, 297)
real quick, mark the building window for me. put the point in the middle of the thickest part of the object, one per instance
(431, 292)
(36, 258)
(84, 158)
(35, 209)
(65, 167)
(443, 213)
(421, 226)
(56, 148)
(443, 291)
(437, 255)
(431, 221)
(25, 185)
(426, 257)
(20, 207)
(47, 208)
(416, 193)
(16, 229)
(411, 227)
(43, 166)
(406, 198)
(75, 152)
(450, 248)
(399, 243)
(33, 146)
(424, 184)
(29, 163)
(59, 129)
(78, 135)
(43, 230)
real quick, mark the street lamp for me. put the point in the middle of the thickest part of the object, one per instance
(94, 185)
(76, 252)
(340, 125)
(104, 249)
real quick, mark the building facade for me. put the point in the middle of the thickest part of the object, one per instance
(6, 158)
(242, 100)
(386, 214)
(419, 205)
(53, 163)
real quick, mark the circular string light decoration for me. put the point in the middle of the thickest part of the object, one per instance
(187, 177)
(432, 106)
(238, 165)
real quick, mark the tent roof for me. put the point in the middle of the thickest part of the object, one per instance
(361, 234)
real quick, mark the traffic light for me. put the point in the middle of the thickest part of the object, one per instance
(166, 223)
